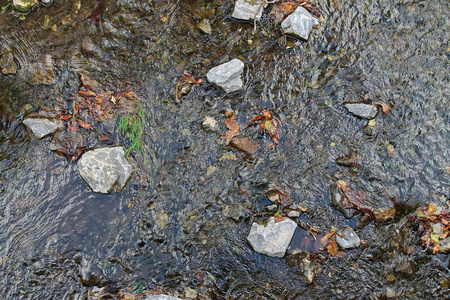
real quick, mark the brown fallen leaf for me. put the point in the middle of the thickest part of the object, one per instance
(270, 125)
(84, 124)
(232, 129)
(384, 107)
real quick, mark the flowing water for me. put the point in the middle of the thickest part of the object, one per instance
(169, 230)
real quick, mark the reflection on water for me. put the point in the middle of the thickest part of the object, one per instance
(167, 229)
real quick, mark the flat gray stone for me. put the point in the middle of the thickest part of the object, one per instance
(362, 110)
(105, 170)
(41, 127)
(248, 10)
(347, 238)
(227, 76)
(272, 238)
(299, 23)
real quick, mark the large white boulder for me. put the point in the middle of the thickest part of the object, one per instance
(227, 76)
(299, 23)
(272, 238)
(248, 10)
(105, 170)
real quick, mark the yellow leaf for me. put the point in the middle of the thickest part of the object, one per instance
(372, 122)
(431, 208)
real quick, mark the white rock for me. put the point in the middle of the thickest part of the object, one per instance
(248, 10)
(362, 110)
(105, 170)
(347, 238)
(209, 124)
(41, 127)
(272, 238)
(299, 23)
(227, 76)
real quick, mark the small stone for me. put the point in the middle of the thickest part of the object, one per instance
(41, 127)
(245, 144)
(272, 207)
(24, 5)
(248, 10)
(46, 1)
(390, 292)
(299, 23)
(227, 76)
(209, 124)
(293, 214)
(190, 293)
(309, 270)
(161, 218)
(210, 170)
(7, 64)
(204, 26)
(347, 238)
(105, 169)
(362, 110)
(272, 238)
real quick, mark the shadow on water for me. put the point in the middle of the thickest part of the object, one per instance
(169, 230)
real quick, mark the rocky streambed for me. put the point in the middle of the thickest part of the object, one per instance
(223, 150)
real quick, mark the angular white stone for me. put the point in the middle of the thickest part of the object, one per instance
(272, 239)
(362, 110)
(105, 170)
(347, 238)
(248, 10)
(299, 23)
(42, 127)
(227, 76)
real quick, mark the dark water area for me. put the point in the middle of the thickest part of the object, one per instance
(168, 229)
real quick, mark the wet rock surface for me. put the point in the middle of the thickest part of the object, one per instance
(309, 270)
(362, 110)
(41, 71)
(247, 9)
(24, 5)
(7, 63)
(347, 238)
(299, 23)
(105, 170)
(272, 238)
(227, 76)
(41, 126)
(146, 46)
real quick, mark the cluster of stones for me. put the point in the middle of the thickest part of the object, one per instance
(298, 24)
(105, 170)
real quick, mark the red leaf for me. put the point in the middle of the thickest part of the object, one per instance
(87, 93)
(84, 124)
(64, 116)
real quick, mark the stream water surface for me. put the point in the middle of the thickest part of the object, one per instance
(169, 229)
